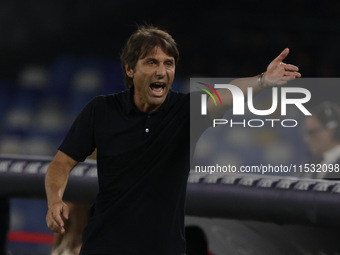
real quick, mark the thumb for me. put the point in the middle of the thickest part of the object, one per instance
(65, 212)
(282, 55)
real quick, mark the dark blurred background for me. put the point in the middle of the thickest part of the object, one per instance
(216, 38)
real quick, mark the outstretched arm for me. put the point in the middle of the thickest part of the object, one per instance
(55, 184)
(277, 74)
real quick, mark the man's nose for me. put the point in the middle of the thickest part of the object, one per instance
(160, 71)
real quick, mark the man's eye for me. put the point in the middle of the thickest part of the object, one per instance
(151, 62)
(169, 64)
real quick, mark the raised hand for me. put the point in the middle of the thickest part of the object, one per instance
(279, 73)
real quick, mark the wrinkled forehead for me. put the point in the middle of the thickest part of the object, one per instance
(154, 50)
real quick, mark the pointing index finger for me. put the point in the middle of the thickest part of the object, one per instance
(292, 68)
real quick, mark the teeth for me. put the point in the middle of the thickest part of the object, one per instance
(157, 86)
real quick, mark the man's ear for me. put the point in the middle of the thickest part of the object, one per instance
(129, 71)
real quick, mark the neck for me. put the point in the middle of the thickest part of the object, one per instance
(143, 106)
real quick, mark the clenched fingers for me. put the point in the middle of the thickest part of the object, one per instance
(55, 218)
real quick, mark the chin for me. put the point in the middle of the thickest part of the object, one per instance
(158, 101)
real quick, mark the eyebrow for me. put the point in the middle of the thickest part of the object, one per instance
(171, 59)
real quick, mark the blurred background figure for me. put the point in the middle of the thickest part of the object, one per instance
(323, 138)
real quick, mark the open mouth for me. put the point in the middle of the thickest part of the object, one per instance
(158, 88)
